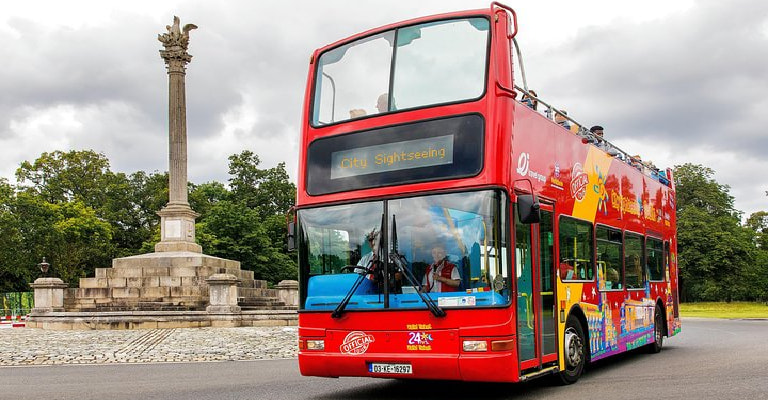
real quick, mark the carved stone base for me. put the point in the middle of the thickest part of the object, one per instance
(49, 295)
(164, 247)
(177, 229)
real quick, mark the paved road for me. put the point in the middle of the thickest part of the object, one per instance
(711, 359)
(25, 346)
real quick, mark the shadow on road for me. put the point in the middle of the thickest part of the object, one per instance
(420, 389)
(424, 389)
(617, 361)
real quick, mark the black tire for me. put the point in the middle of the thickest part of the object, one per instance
(658, 331)
(574, 351)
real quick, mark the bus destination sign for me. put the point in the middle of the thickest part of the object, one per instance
(396, 156)
(429, 150)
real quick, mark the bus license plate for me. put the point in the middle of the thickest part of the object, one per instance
(378, 368)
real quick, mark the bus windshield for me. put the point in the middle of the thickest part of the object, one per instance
(450, 247)
(405, 68)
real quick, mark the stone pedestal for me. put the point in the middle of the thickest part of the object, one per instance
(177, 229)
(288, 292)
(49, 295)
(223, 294)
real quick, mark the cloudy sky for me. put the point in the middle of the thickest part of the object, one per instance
(676, 82)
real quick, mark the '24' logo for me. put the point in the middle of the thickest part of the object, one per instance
(422, 338)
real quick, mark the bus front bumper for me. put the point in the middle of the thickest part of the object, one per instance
(486, 366)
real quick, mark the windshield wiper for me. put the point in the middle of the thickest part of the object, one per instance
(368, 269)
(400, 266)
(400, 262)
(373, 268)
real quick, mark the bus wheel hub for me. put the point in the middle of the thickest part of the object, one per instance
(573, 348)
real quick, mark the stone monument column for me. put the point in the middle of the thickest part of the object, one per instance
(177, 219)
(175, 276)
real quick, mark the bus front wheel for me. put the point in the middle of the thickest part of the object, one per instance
(658, 331)
(574, 350)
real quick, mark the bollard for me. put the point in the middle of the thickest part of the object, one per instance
(288, 291)
(49, 295)
(223, 293)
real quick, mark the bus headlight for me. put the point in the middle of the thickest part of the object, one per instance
(475, 345)
(315, 344)
(311, 344)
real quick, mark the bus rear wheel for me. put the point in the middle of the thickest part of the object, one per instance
(574, 351)
(658, 331)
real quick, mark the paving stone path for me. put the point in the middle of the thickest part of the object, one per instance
(27, 346)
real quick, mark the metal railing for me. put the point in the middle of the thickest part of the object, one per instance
(16, 303)
(551, 113)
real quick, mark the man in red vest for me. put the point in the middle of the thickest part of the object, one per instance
(442, 275)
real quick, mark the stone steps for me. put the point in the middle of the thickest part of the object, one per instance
(164, 281)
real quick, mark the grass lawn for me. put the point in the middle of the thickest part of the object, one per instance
(724, 310)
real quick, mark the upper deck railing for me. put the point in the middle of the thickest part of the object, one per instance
(554, 114)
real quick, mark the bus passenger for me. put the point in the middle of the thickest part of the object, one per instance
(442, 275)
(530, 101)
(597, 139)
(612, 278)
(561, 120)
(566, 270)
(597, 130)
(382, 103)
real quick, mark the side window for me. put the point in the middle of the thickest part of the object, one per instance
(609, 247)
(329, 250)
(575, 250)
(654, 255)
(633, 261)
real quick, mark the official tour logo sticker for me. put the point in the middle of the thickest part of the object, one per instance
(356, 342)
(579, 183)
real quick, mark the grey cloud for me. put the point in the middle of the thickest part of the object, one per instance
(688, 79)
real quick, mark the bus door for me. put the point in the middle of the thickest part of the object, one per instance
(546, 272)
(526, 317)
(534, 261)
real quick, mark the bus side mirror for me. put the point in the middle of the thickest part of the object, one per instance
(291, 236)
(528, 209)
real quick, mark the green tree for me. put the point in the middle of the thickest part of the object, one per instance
(203, 197)
(716, 253)
(269, 191)
(70, 235)
(80, 242)
(128, 203)
(60, 177)
(758, 222)
(271, 194)
(72, 209)
(14, 274)
(233, 230)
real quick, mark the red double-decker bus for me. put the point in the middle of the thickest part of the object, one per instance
(447, 230)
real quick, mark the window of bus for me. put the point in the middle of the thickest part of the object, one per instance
(338, 244)
(633, 261)
(440, 62)
(575, 250)
(654, 254)
(609, 247)
(436, 62)
(453, 247)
